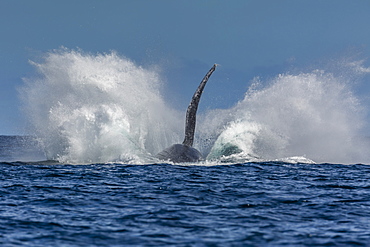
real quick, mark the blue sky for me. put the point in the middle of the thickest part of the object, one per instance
(248, 38)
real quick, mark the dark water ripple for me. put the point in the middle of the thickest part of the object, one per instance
(253, 204)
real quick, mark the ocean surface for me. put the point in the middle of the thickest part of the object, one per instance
(287, 165)
(47, 203)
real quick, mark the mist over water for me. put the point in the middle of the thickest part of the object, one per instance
(103, 107)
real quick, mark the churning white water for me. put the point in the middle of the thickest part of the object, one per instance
(103, 107)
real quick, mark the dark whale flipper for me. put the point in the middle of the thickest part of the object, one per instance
(192, 109)
(185, 152)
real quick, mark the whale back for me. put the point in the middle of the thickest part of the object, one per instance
(180, 153)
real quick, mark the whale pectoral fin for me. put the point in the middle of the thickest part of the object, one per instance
(185, 152)
(192, 109)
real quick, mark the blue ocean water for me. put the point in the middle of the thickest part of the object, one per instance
(286, 165)
(204, 204)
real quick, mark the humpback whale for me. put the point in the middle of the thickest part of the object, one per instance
(185, 152)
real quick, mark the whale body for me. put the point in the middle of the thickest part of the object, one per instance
(180, 153)
(185, 152)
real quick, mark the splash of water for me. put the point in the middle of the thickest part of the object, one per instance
(98, 108)
(103, 107)
(313, 115)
